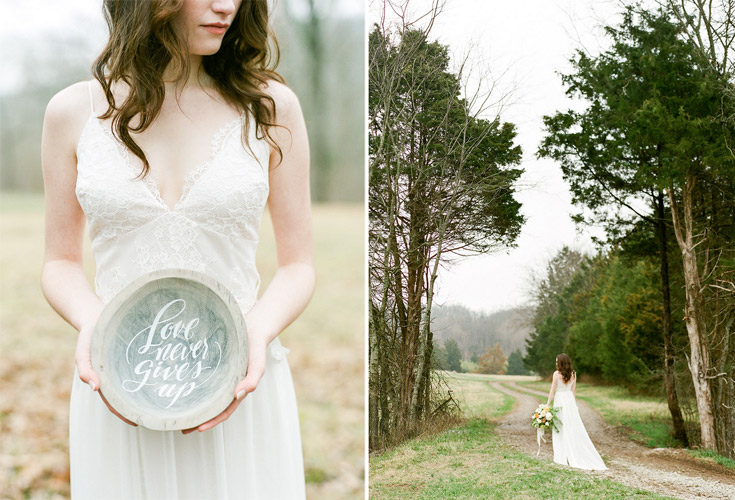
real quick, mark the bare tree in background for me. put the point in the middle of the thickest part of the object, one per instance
(709, 25)
(323, 61)
(441, 184)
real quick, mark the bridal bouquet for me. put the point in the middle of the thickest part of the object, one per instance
(544, 417)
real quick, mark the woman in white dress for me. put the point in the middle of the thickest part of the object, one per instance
(170, 155)
(572, 445)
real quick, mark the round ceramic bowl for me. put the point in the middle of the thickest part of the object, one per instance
(170, 349)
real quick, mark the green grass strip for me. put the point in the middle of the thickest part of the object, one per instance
(472, 462)
(711, 455)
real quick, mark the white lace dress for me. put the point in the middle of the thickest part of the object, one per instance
(256, 454)
(572, 444)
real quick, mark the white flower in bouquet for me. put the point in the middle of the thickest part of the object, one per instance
(549, 416)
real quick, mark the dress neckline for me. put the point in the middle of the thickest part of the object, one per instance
(192, 177)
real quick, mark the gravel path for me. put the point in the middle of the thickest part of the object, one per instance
(666, 471)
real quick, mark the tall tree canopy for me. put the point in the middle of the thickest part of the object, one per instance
(653, 144)
(441, 183)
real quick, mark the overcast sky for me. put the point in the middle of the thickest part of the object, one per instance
(524, 42)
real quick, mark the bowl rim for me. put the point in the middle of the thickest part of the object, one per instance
(200, 414)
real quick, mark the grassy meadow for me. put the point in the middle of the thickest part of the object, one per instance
(476, 397)
(471, 461)
(37, 346)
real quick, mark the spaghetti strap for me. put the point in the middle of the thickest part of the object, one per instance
(91, 99)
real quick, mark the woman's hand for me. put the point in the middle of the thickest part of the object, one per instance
(256, 369)
(83, 359)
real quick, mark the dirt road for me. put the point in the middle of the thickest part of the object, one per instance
(666, 471)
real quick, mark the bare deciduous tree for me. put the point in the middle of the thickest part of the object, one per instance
(441, 184)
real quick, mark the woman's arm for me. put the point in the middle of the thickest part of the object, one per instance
(574, 384)
(554, 379)
(289, 205)
(290, 208)
(62, 279)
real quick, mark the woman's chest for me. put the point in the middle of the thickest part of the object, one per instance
(225, 192)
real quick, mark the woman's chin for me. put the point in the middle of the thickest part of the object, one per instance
(207, 48)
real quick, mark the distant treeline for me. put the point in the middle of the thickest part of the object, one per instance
(475, 331)
(605, 311)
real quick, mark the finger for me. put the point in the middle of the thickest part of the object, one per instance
(113, 410)
(247, 385)
(88, 375)
(214, 421)
(83, 361)
(256, 370)
(221, 417)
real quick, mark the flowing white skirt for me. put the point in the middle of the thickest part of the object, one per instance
(572, 444)
(255, 454)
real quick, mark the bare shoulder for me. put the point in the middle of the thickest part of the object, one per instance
(285, 99)
(67, 112)
(70, 103)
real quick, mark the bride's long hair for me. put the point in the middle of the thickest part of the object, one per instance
(564, 366)
(143, 41)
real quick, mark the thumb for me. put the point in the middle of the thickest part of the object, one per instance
(247, 385)
(86, 372)
(88, 375)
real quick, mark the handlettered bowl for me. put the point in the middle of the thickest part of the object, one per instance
(170, 349)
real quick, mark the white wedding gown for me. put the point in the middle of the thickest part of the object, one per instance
(256, 453)
(572, 445)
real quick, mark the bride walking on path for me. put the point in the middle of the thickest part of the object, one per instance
(572, 445)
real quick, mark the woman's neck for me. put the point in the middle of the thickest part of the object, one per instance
(196, 78)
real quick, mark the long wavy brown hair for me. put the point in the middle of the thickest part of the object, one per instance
(564, 366)
(143, 41)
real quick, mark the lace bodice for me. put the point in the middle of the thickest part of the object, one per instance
(213, 228)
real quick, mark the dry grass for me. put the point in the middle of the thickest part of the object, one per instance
(475, 396)
(327, 357)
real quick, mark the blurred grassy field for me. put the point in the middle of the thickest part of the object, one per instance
(37, 346)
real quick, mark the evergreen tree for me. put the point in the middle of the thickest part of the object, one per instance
(655, 131)
(515, 364)
(454, 356)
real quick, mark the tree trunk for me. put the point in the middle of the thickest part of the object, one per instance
(669, 375)
(699, 362)
(424, 370)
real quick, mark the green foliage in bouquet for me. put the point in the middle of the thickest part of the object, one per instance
(545, 417)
